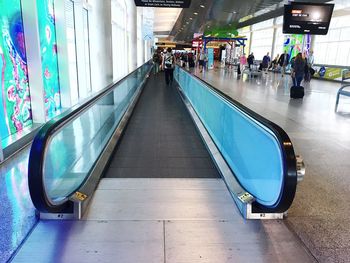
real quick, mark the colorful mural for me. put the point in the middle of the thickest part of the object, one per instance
(15, 108)
(294, 44)
(47, 33)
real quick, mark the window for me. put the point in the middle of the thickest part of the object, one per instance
(334, 48)
(245, 32)
(72, 52)
(119, 39)
(261, 42)
(279, 41)
(140, 46)
(87, 50)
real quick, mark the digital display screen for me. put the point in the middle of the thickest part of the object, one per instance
(301, 18)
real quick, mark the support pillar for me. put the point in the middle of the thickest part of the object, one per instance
(62, 54)
(31, 32)
(1, 152)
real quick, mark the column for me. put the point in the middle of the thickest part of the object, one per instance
(1, 152)
(63, 65)
(31, 32)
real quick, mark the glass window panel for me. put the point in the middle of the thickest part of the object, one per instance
(87, 50)
(333, 49)
(71, 45)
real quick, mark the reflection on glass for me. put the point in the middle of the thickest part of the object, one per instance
(251, 151)
(73, 150)
(17, 212)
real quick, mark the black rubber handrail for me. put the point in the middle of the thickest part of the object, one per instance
(38, 149)
(290, 177)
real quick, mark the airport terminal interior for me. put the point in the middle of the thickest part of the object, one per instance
(182, 131)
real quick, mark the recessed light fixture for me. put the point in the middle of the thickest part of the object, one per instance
(191, 18)
(195, 13)
(187, 23)
(202, 6)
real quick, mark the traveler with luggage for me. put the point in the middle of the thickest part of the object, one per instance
(168, 66)
(298, 72)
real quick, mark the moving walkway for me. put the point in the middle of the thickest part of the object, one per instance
(73, 151)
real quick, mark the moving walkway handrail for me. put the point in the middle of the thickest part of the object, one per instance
(40, 143)
(290, 162)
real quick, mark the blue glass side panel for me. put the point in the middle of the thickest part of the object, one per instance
(17, 212)
(251, 151)
(73, 151)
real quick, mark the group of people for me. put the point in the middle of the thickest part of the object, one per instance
(165, 61)
(301, 65)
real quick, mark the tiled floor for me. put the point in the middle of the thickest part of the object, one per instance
(17, 214)
(321, 210)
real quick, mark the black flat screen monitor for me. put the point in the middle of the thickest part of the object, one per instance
(302, 18)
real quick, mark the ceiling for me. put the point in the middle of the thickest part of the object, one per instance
(206, 14)
(164, 20)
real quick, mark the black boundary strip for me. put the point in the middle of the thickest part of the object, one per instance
(39, 146)
(287, 194)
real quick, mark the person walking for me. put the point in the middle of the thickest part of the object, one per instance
(274, 63)
(202, 60)
(266, 62)
(157, 61)
(298, 70)
(168, 66)
(250, 60)
(242, 62)
(283, 62)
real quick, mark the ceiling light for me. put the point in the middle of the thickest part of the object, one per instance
(202, 6)
(191, 18)
(187, 23)
(195, 13)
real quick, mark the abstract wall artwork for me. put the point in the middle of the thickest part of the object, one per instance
(294, 44)
(48, 46)
(15, 108)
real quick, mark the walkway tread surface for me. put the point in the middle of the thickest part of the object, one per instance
(161, 140)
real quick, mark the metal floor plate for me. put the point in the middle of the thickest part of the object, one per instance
(162, 220)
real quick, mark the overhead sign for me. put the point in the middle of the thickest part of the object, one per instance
(164, 3)
(147, 25)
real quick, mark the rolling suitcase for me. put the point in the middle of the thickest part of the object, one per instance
(297, 92)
